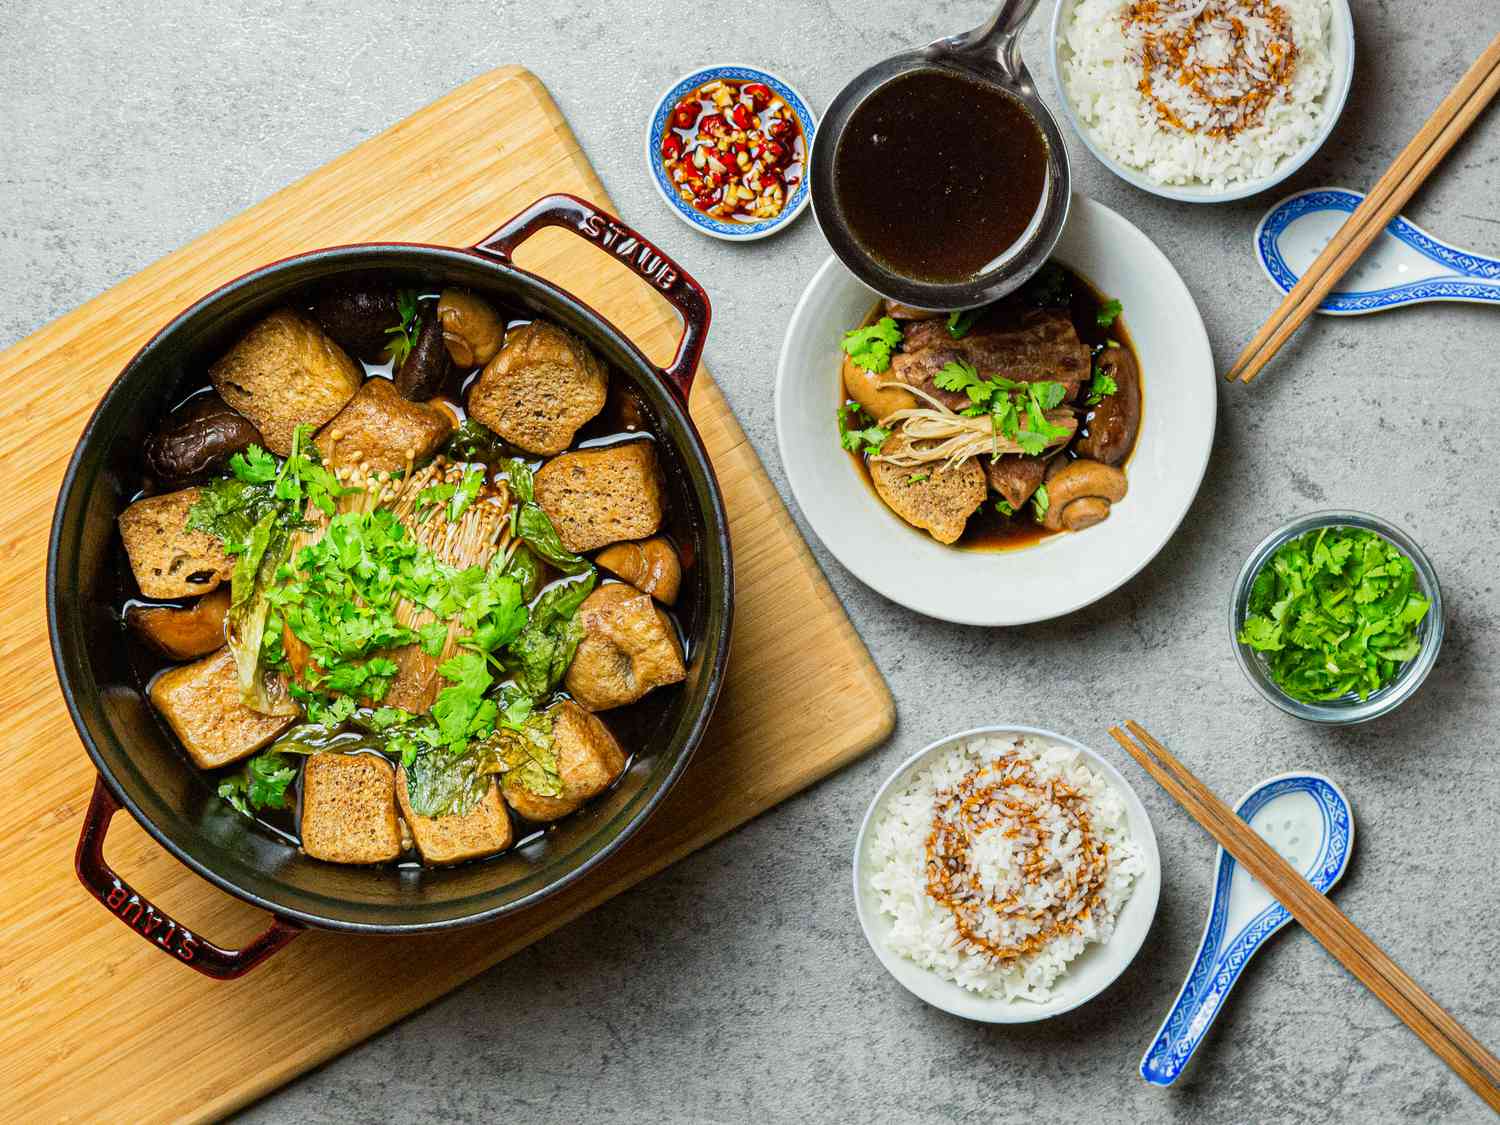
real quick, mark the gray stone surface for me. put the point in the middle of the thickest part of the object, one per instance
(736, 986)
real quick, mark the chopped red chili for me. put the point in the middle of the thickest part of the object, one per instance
(745, 157)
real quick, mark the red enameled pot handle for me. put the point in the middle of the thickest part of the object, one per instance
(629, 246)
(136, 911)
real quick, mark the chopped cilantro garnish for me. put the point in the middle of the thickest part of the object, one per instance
(259, 784)
(916, 478)
(1005, 507)
(1335, 611)
(404, 335)
(1102, 386)
(1008, 401)
(1107, 313)
(871, 347)
(853, 437)
(959, 322)
(1040, 502)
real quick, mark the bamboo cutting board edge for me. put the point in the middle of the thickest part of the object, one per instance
(102, 1055)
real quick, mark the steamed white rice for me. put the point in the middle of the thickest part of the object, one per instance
(926, 931)
(1101, 74)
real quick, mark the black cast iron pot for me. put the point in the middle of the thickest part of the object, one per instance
(140, 766)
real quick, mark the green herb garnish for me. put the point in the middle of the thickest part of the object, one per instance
(960, 322)
(1102, 386)
(259, 784)
(1107, 313)
(871, 347)
(916, 478)
(404, 335)
(1007, 402)
(857, 438)
(1040, 502)
(1335, 611)
(1005, 507)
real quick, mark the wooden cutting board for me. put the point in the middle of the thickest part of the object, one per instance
(98, 1025)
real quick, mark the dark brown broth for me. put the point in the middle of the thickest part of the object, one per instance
(938, 175)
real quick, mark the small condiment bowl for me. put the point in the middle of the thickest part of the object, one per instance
(1349, 709)
(707, 224)
(1341, 57)
(1089, 974)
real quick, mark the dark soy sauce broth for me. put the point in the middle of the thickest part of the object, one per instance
(938, 175)
(987, 529)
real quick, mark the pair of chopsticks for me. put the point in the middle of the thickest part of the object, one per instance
(1341, 937)
(1390, 193)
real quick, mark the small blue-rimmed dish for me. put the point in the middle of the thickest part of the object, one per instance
(729, 229)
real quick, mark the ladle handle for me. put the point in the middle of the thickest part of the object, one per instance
(997, 39)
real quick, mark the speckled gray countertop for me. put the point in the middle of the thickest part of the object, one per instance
(736, 985)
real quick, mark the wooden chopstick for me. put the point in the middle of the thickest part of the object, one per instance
(1349, 945)
(1391, 192)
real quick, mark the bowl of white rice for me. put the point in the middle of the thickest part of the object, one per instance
(1203, 101)
(1006, 874)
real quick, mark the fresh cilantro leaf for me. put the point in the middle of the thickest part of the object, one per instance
(959, 322)
(1101, 387)
(468, 488)
(259, 784)
(1107, 313)
(961, 376)
(1040, 502)
(871, 347)
(432, 497)
(404, 335)
(254, 465)
(434, 635)
(868, 439)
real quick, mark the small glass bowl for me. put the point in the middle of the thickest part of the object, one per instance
(1348, 709)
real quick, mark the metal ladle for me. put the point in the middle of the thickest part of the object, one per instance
(989, 55)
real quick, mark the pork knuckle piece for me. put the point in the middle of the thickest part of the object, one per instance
(1015, 477)
(201, 703)
(283, 373)
(595, 497)
(542, 386)
(588, 761)
(629, 647)
(472, 330)
(938, 499)
(381, 430)
(483, 830)
(168, 560)
(183, 632)
(349, 809)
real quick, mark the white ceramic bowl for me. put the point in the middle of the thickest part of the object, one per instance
(1094, 970)
(1341, 56)
(1063, 572)
(705, 224)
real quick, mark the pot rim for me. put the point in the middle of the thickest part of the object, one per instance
(716, 527)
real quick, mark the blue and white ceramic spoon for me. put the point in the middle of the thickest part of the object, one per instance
(1306, 818)
(1404, 266)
